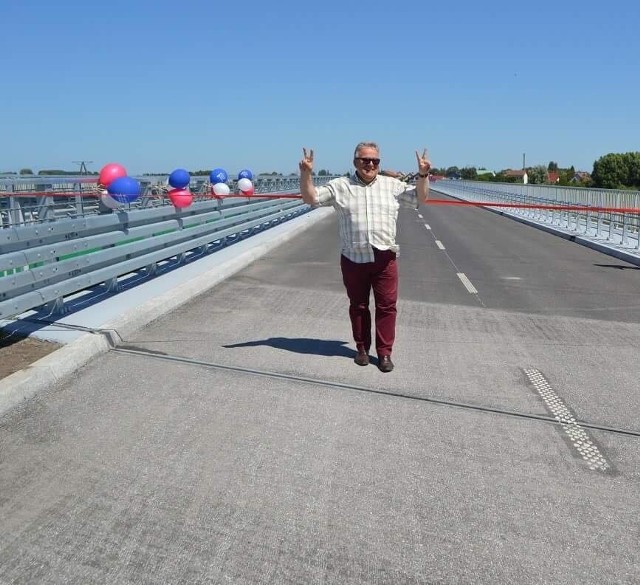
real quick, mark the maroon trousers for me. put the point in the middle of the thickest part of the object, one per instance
(381, 276)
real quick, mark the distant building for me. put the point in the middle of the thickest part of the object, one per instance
(553, 177)
(517, 174)
(514, 173)
(581, 177)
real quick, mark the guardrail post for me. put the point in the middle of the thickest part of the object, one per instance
(112, 285)
(16, 216)
(56, 307)
(151, 269)
(44, 208)
(600, 204)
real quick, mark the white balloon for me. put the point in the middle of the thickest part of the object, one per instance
(244, 184)
(221, 189)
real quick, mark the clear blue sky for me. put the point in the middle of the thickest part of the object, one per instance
(204, 84)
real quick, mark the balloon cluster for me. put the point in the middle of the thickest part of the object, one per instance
(116, 187)
(219, 187)
(180, 196)
(245, 182)
(120, 188)
(218, 179)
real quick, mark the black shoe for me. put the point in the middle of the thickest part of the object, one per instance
(385, 364)
(362, 358)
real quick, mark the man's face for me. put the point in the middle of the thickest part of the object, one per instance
(367, 163)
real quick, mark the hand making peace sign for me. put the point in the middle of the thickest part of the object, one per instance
(424, 164)
(306, 164)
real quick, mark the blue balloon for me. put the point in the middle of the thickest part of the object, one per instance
(245, 174)
(124, 189)
(179, 178)
(218, 176)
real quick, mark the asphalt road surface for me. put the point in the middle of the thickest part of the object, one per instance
(235, 441)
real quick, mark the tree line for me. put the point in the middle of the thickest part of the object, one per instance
(539, 174)
(611, 171)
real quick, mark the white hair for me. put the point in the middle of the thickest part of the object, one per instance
(365, 145)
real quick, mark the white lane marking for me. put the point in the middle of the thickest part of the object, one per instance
(511, 277)
(467, 283)
(427, 226)
(579, 438)
(440, 244)
(420, 215)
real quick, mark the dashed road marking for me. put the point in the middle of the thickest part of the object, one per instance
(579, 438)
(440, 244)
(427, 226)
(420, 215)
(467, 283)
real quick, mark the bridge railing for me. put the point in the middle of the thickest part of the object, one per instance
(43, 262)
(613, 215)
(25, 201)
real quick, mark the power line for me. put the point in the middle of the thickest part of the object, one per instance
(83, 166)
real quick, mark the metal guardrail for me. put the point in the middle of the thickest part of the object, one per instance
(31, 200)
(607, 214)
(42, 262)
(63, 242)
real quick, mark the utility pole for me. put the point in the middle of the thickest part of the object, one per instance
(83, 166)
(524, 166)
(83, 169)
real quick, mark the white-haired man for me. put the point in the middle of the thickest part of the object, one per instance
(367, 204)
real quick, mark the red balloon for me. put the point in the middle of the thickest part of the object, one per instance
(180, 198)
(110, 173)
(248, 192)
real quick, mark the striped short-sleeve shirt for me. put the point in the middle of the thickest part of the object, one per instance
(367, 214)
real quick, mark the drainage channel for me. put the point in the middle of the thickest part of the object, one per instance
(332, 384)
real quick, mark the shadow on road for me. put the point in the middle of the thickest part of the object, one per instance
(302, 345)
(618, 266)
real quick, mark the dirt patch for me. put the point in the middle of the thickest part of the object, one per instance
(17, 353)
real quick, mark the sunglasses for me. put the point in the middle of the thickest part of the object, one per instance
(369, 161)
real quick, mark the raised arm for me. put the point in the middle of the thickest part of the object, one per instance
(307, 188)
(422, 185)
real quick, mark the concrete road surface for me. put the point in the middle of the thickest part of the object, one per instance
(234, 440)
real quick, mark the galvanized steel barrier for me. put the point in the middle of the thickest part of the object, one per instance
(53, 248)
(36, 199)
(57, 239)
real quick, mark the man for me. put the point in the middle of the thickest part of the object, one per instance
(367, 204)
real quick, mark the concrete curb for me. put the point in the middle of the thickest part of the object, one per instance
(50, 369)
(63, 362)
